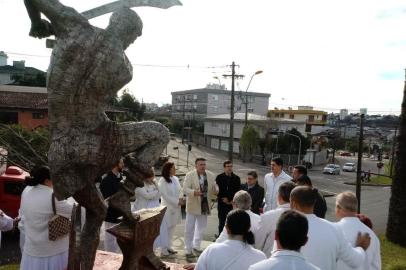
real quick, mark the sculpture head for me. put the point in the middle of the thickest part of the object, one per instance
(126, 25)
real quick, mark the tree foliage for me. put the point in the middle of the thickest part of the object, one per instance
(25, 148)
(39, 80)
(134, 110)
(249, 141)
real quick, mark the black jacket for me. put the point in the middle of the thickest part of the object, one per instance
(228, 186)
(257, 195)
(320, 206)
(109, 185)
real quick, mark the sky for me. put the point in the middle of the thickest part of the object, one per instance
(329, 54)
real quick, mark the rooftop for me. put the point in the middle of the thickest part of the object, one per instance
(218, 91)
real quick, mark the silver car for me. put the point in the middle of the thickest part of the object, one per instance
(332, 169)
(349, 167)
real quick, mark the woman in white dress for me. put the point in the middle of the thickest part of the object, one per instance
(236, 253)
(148, 197)
(172, 198)
(39, 252)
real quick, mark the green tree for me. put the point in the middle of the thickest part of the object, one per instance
(25, 148)
(134, 110)
(249, 142)
(395, 230)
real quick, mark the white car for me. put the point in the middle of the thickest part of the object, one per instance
(349, 167)
(332, 169)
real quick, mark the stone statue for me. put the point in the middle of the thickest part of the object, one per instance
(88, 66)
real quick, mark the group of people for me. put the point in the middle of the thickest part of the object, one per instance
(278, 226)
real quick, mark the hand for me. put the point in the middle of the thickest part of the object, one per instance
(225, 200)
(41, 29)
(189, 266)
(363, 240)
(181, 202)
(15, 221)
(197, 193)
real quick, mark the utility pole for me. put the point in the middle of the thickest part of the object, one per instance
(231, 138)
(359, 165)
(392, 159)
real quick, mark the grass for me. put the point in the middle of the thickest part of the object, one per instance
(382, 180)
(393, 256)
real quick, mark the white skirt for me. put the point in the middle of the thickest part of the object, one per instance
(56, 262)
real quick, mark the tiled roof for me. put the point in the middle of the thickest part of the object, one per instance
(24, 100)
(15, 70)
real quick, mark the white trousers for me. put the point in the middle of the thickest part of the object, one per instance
(194, 228)
(171, 232)
(110, 242)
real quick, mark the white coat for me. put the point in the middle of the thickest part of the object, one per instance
(265, 235)
(271, 186)
(254, 218)
(146, 197)
(6, 223)
(230, 255)
(170, 195)
(326, 245)
(350, 226)
(284, 260)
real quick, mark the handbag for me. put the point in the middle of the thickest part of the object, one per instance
(58, 226)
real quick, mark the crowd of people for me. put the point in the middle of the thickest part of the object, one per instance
(278, 226)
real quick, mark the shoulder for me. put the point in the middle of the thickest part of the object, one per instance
(257, 253)
(263, 265)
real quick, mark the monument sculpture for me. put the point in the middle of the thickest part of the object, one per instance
(88, 66)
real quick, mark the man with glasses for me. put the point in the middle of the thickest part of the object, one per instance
(256, 191)
(228, 184)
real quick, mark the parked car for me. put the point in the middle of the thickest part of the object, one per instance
(349, 167)
(345, 154)
(332, 169)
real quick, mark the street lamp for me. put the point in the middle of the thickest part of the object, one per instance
(300, 145)
(246, 96)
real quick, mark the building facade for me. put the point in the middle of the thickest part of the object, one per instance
(303, 113)
(197, 104)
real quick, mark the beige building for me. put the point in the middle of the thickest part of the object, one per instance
(303, 114)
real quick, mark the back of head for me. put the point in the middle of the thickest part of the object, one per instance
(126, 25)
(238, 222)
(347, 201)
(285, 189)
(304, 180)
(301, 169)
(291, 230)
(242, 200)
(304, 196)
(38, 175)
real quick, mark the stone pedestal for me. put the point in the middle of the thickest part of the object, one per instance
(112, 261)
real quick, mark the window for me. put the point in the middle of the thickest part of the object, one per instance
(250, 110)
(37, 115)
(291, 116)
(215, 97)
(195, 97)
(213, 124)
(282, 115)
(276, 114)
(195, 106)
(14, 188)
(311, 118)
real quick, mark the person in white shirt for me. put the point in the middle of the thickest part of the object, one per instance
(290, 235)
(172, 198)
(236, 253)
(272, 181)
(265, 235)
(6, 223)
(242, 200)
(349, 223)
(326, 242)
(199, 187)
(39, 252)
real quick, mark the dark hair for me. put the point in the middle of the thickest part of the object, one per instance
(304, 196)
(115, 164)
(239, 223)
(226, 163)
(278, 161)
(38, 175)
(285, 189)
(304, 180)
(166, 171)
(253, 174)
(199, 159)
(301, 169)
(292, 229)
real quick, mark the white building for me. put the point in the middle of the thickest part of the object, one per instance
(343, 114)
(363, 111)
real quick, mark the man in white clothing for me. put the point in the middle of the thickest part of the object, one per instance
(6, 223)
(291, 235)
(272, 181)
(199, 187)
(326, 242)
(242, 200)
(349, 223)
(265, 235)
